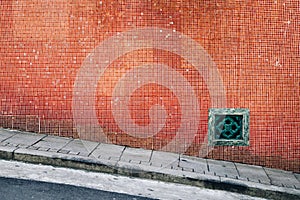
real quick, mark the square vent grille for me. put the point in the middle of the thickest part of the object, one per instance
(228, 127)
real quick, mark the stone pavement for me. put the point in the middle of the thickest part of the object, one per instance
(74, 153)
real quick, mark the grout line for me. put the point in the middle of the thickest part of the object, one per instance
(13, 153)
(70, 140)
(39, 140)
(150, 156)
(94, 150)
(207, 165)
(237, 169)
(122, 153)
(268, 176)
(9, 137)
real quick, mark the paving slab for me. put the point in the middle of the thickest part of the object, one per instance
(164, 159)
(6, 152)
(136, 155)
(186, 177)
(108, 152)
(196, 164)
(165, 166)
(64, 160)
(52, 142)
(252, 173)
(80, 147)
(283, 178)
(297, 176)
(260, 190)
(24, 139)
(222, 168)
(28, 154)
(5, 134)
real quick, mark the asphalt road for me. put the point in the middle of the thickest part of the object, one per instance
(11, 188)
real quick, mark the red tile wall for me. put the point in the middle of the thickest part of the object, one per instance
(253, 44)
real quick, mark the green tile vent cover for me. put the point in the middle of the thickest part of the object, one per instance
(228, 127)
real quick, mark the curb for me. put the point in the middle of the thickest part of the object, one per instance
(148, 172)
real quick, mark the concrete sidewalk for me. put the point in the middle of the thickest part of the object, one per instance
(67, 152)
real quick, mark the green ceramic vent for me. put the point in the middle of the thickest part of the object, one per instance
(228, 127)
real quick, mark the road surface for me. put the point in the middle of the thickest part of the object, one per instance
(11, 188)
(29, 181)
